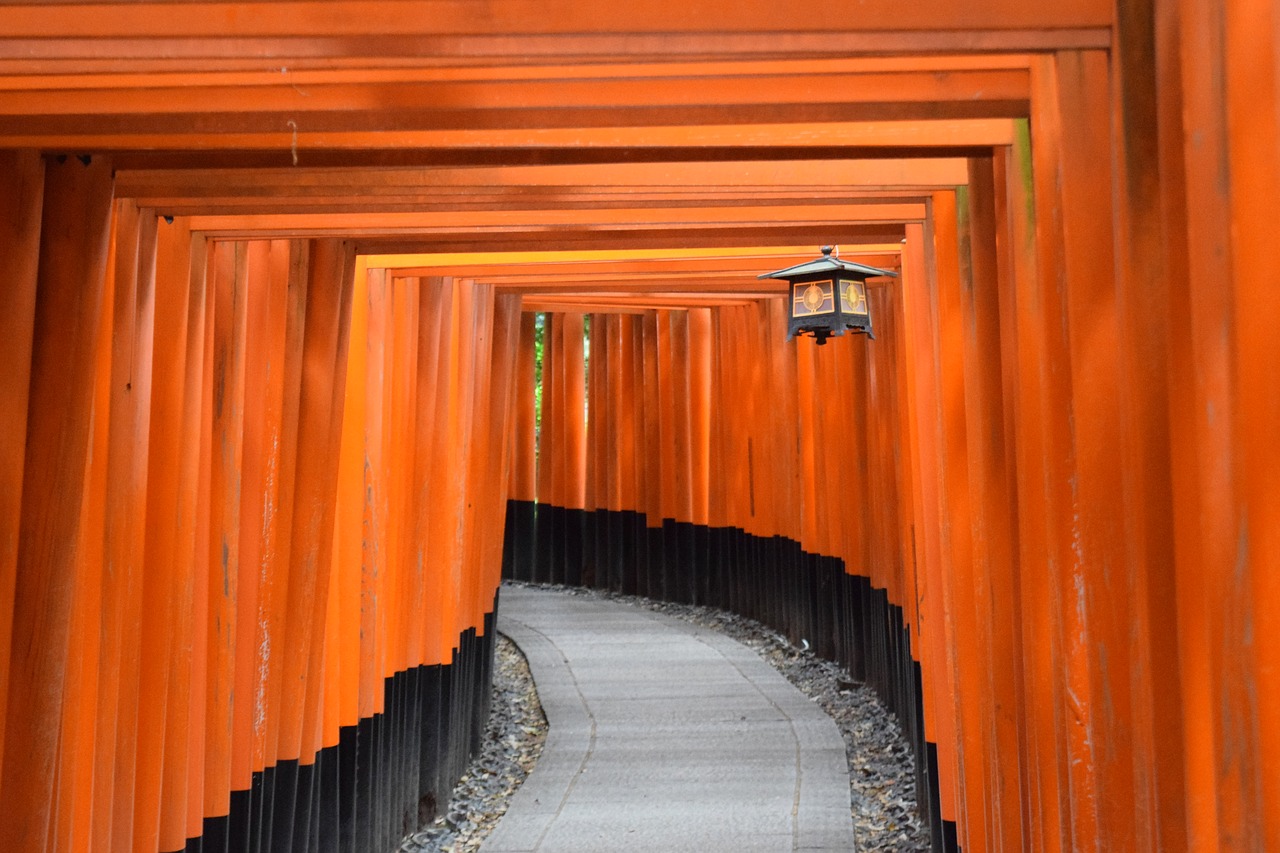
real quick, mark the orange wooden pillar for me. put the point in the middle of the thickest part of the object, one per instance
(69, 301)
(929, 542)
(995, 611)
(597, 454)
(521, 491)
(1074, 519)
(1207, 521)
(1251, 801)
(637, 525)
(478, 332)
(637, 432)
(458, 435)
(124, 525)
(677, 530)
(505, 362)
(575, 445)
(735, 455)
(1037, 396)
(809, 442)
(74, 797)
(262, 533)
(667, 401)
(440, 299)
(399, 422)
(433, 329)
(883, 554)
(353, 634)
(173, 487)
(962, 660)
(227, 286)
(1223, 405)
(700, 415)
(1097, 648)
(328, 311)
(547, 447)
(1151, 251)
(21, 205)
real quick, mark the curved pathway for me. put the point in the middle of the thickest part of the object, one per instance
(666, 737)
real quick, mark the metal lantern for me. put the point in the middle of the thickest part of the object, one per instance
(828, 296)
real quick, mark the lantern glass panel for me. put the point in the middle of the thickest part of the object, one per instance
(853, 297)
(812, 298)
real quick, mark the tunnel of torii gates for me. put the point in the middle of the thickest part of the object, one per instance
(272, 274)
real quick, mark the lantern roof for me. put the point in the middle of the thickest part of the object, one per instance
(828, 263)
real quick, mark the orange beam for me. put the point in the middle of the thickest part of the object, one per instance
(587, 180)
(425, 223)
(391, 18)
(887, 135)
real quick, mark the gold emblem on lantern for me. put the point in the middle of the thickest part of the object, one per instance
(814, 298)
(853, 297)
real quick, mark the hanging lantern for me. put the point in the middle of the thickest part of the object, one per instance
(828, 296)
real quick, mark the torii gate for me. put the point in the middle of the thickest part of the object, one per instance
(268, 269)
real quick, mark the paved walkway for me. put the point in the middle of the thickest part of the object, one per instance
(665, 737)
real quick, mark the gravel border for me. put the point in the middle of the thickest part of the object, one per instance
(513, 740)
(881, 766)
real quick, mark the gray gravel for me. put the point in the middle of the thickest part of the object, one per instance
(881, 766)
(513, 742)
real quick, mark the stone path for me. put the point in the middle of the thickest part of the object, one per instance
(666, 737)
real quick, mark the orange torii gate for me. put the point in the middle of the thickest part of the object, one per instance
(1065, 492)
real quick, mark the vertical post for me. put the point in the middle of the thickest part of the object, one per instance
(958, 577)
(124, 526)
(1251, 682)
(990, 460)
(521, 489)
(229, 287)
(324, 358)
(74, 231)
(21, 206)
(183, 268)
(1146, 103)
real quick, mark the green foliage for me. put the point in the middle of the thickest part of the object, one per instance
(540, 325)
(539, 328)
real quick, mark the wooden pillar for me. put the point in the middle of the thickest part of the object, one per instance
(595, 566)
(1039, 399)
(355, 640)
(21, 206)
(993, 516)
(965, 658)
(262, 534)
(505, 361)
(521, 490)
(1146, 103)
(174, 518)
(213, 563)
(1251, 806)
(324, 357)
(930, 541)
(573, 458)
(478, 329)
(700, 411)
(437, 302)
(1221, 406)
(627, 375)
(72, 265)
(124, 525)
